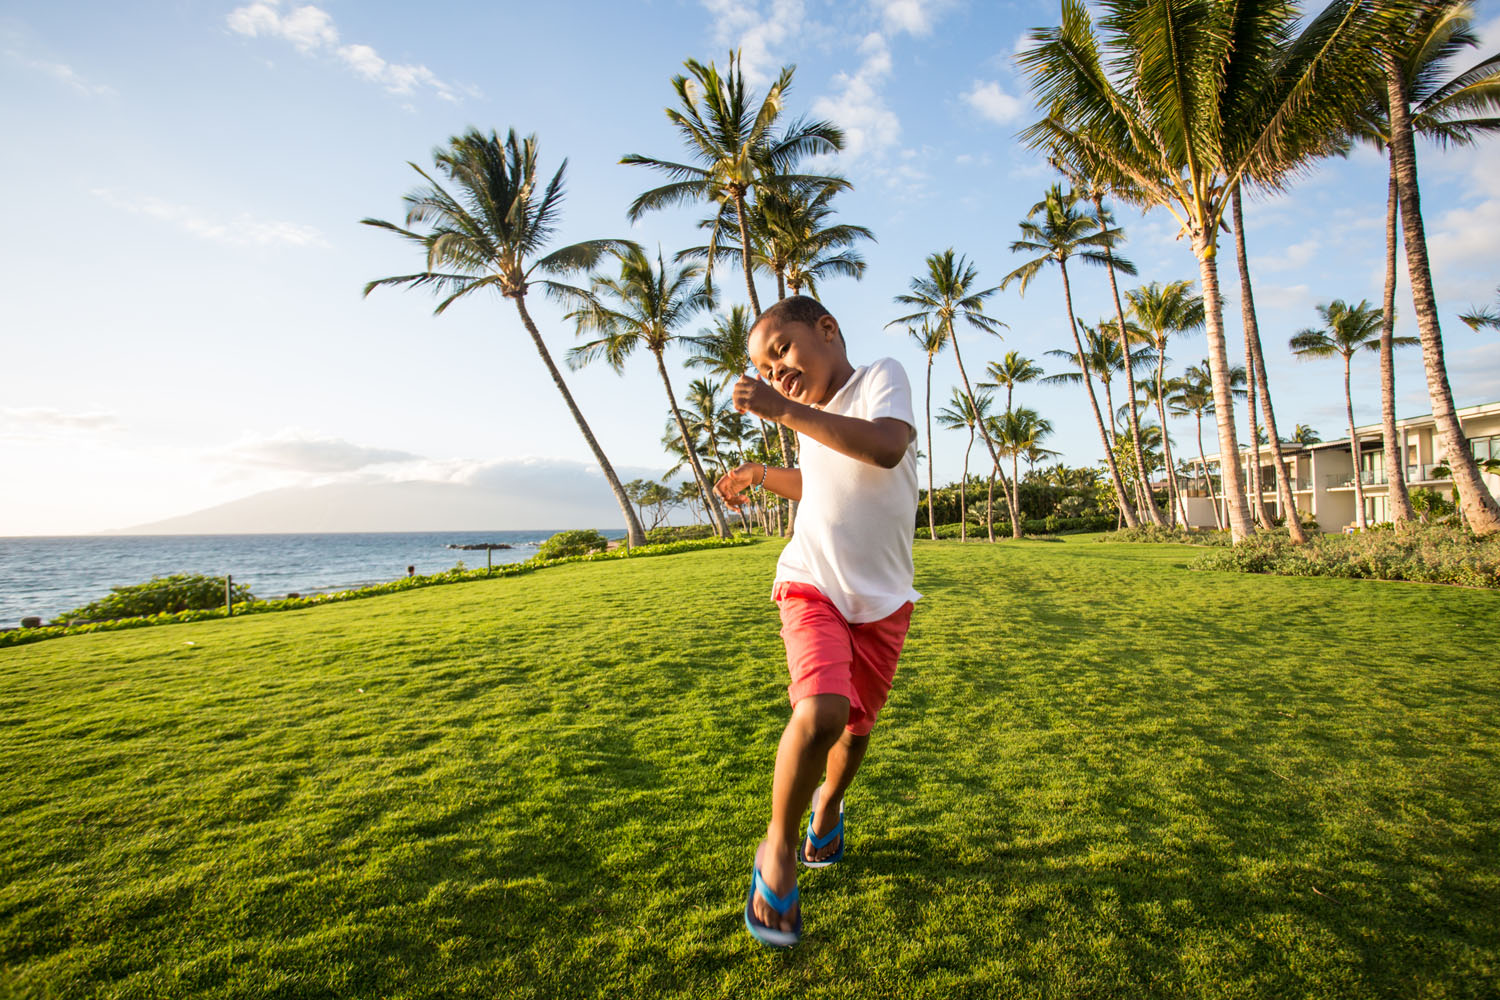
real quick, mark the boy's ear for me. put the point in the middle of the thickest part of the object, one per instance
(829, 328)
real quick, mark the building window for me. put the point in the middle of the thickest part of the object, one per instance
(1485, 447)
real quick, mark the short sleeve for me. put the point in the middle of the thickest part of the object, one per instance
(887, 392)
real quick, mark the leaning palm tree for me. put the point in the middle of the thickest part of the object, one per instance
(1348, 329)
(738, 151)
(643, 306)
(1162, 311)
(962, 411)
(1418, 99)
(1175, 102)
(947, 293)
(1304, 435)
(488, 236)
(1061, 233)
(932, 339)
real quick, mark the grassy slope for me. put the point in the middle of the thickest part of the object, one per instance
(551, 786)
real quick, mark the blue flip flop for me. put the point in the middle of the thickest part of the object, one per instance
(763, 933)
(819, 843)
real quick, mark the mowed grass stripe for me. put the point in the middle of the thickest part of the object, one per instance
(1100, 774)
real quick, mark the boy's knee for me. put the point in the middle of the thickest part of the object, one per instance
(823, 716)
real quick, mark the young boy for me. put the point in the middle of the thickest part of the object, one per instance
(843, 583)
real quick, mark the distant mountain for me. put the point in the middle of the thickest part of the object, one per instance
(553, 495)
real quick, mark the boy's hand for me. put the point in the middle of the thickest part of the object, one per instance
(732, 485)
(760, 398)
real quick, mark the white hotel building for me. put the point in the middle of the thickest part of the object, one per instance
(1322, 474)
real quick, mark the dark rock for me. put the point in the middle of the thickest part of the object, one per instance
(31, 621)
(481, 546)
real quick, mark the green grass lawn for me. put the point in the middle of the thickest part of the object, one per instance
(1099, 774)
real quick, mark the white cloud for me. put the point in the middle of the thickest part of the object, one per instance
(62, 73)
(243, 230)
(292, 450)
(915, 17)
(993, 103)
(1294, 257)
(1463, 243)
(870, 126)
(311, 30)
(26, 423)
(757, 30)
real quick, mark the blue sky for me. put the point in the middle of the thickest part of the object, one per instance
(182, 322)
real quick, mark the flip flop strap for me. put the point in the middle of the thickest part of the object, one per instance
(826, 839)
(778, 903)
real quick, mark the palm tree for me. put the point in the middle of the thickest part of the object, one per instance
(945, 294)
(738, 151)
(1259, 384)
(961, 411)
(486, 238)
(1021, 432)
(1416, 98)
(1161, 311)
(932, 339)
(1177, 101)
(1483, 316)
(1064, 232)
(1193, 394)
(1304, 435)
(643, 307)
(1010, 371)
(724, 351)
(1348, 329)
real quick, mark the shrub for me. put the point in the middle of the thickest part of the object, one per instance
(1050, 525)
(572, 543)
(1152, 533)
(158, 595)
(688, 532)
(1420, 553)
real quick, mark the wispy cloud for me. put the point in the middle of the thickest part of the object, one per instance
(859, 107)
(757, 30)
(915, 17)
(311, 31)
(992, 102)
(311, 454)
(242, 230)
(62, 73)
(33, 422)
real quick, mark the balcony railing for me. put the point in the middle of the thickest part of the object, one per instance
(1421, 473)
(1368, 477)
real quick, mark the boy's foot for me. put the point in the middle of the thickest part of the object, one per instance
(779, 870)
(822, 824)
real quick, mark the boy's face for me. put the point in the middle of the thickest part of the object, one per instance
(800, 360)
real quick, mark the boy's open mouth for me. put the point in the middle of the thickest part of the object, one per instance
(790, 383)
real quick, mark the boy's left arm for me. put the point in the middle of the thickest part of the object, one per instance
(881, 442)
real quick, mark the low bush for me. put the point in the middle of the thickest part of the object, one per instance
(21, 636)
(1049, 525)
(572, 543)
(1152, 533)
(1420, 553)
(158, 595)
(681, 533)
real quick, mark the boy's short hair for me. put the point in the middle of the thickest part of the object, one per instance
(795, 309)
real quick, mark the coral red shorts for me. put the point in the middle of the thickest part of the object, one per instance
(827, 655)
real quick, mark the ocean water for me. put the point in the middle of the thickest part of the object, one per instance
(46, 576)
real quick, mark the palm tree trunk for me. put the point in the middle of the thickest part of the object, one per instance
(1135, 420)
(1253, 483)
(1252, 344)
(931, 520)
(1397, 498)
(1015, 508)
(1174, 495)
(745, 251)
(989, 505)
(780, 286)
(1479, 508)
(1213, 498)
(1359, 482)
(1205, 248)
(716, 515)
(969, 394)
(632, 524)
(963, 492)
(1127, 512)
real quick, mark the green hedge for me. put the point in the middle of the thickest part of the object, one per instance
(1050, 525)
(21, 636)
(159, 595)
(1419, 553)
(683, 533)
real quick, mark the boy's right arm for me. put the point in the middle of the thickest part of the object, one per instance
(783, 482)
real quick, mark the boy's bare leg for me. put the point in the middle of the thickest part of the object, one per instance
(816, 725)
(843, 764)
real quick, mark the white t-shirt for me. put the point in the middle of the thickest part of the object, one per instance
(855, 523)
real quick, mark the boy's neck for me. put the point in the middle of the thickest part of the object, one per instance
(841, 376)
